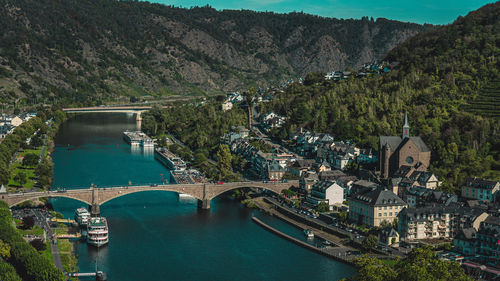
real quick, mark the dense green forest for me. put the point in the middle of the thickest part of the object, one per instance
(90, 51)
(439, 73)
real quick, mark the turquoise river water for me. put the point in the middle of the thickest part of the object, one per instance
(157, 236)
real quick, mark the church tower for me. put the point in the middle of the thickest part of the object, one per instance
(406, 128)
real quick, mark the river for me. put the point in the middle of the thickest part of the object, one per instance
(156, 236)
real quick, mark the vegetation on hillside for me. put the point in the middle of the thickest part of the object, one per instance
(439, 72)
(90, 51)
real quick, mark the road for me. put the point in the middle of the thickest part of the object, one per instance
(279, 148)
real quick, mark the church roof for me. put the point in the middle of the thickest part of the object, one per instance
(392, 141)
(396, 142)
(420, 144)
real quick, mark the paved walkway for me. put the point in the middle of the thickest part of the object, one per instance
(50, 234)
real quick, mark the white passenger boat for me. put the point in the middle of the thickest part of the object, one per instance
(82, 216)
(97, 232)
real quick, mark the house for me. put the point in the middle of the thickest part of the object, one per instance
(326, 191)
(307, 181)
(480, 189)
(405, 150)
(373, 207)
(417, 196)
(300, 166)
(322, 167)
(227, 105)
(429, 222)
(438, 221)
(360, 186)
(488, 236)
(465, 242)
(275, 171)
(388, 236)
(16, 121)
(331, 175)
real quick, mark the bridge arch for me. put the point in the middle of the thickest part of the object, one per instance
(273, 187)
(125, 192)
(25, 199)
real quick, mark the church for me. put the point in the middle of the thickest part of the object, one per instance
(395, 151)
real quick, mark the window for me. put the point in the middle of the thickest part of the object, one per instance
(390, 207)
(409, 160)
(385, 207)
(379, 214)
(385, 214)
(390, 214)
(380, 208)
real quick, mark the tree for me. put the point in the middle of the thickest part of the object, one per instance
(371, 269)
(323, 207)
(343, 216)
(224, 161)
(38, 244)
(421, 264)
(21, 178)
(370, 242)
(36, 141)
(288, 193)
(4, 174)
(4, 250)
(28, 222)
(30, 159)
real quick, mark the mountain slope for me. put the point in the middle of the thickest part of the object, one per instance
(81, 50)
(442, 77)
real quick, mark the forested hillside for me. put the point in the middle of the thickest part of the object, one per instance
(87, 51)
(440, 73)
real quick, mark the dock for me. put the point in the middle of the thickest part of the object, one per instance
(328, 252)
(69, 221)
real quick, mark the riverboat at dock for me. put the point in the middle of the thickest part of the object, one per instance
(170, 160)
(97, 231)
(135, 138)
(190, 176)
(82, 216)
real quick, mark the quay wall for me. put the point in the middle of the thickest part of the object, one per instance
(312, 223)
(300, 243)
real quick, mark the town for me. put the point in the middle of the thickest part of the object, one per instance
(393, 197)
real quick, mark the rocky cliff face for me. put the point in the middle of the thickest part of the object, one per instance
(83, 50)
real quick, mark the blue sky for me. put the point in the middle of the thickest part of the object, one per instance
(419, 11)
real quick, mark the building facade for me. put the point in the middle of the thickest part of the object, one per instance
(480, 189)
(374, 207)
(405, 150)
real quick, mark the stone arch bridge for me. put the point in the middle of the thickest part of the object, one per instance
(94, 196)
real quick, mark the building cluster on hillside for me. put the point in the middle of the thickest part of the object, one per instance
(231, 99)
(9, 122)
(272, 120)
(323, 148)
(366, 70)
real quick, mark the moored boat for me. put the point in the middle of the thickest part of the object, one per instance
(82, 216)
(97, 231)
(309, 233)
